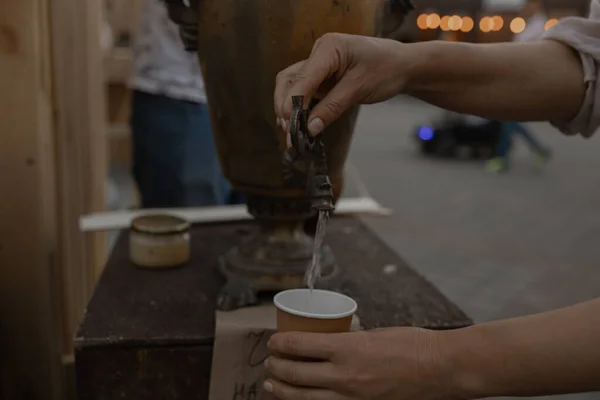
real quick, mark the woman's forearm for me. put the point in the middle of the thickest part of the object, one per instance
(550, 353)
(537, 81)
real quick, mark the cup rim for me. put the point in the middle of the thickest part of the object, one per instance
(304, 314)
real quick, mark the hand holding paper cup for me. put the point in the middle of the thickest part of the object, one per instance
(316, 311)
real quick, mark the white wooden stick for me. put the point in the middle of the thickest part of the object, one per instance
(114, 220)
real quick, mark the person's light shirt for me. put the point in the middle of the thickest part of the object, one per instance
(583, 35)
(160, 63)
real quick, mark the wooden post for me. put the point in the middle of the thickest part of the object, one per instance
(80, 143)
(29, 347)
(52, 170)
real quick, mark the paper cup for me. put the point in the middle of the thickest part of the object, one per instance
(317, 311)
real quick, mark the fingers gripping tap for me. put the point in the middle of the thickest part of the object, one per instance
(305, 162)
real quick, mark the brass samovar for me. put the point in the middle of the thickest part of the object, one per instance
(242, 45)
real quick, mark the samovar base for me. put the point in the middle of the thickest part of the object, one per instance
(248, 272)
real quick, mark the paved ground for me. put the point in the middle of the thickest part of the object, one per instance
(499, 246)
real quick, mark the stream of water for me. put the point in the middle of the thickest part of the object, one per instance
(313, 273)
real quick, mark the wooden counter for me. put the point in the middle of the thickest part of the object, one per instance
(148, 334)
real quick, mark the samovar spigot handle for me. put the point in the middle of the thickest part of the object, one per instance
(306, 160)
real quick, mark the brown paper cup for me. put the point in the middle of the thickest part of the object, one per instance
(316, 311)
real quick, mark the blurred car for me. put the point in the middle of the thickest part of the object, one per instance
(451, 133)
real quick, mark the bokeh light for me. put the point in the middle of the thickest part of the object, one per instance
(486, 24)
(433, 21)
(445, 23)
(422, 21)
(467, 24)
(518, 25)
(455, 23)
(497, 23)
(551, 22)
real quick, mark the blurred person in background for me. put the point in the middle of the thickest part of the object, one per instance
(555, 79)
(534, 15)
(175, 163)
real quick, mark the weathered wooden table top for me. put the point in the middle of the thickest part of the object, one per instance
(148, 334)
(133, 305)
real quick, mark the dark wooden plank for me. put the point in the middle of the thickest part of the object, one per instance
(143, 373)
(399, 298)
(133, 305)
(148, 334)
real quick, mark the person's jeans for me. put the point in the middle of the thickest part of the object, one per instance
(175, 162)
(506, 134)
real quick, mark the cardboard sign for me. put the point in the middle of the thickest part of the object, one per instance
(240, 350)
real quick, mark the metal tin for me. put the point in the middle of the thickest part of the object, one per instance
(159, 241)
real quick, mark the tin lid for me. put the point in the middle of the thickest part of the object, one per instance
(159, 224)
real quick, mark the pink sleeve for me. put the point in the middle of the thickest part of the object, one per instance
(583, 35)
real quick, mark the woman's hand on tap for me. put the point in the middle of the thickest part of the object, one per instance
(386, 364)
(342, 70)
